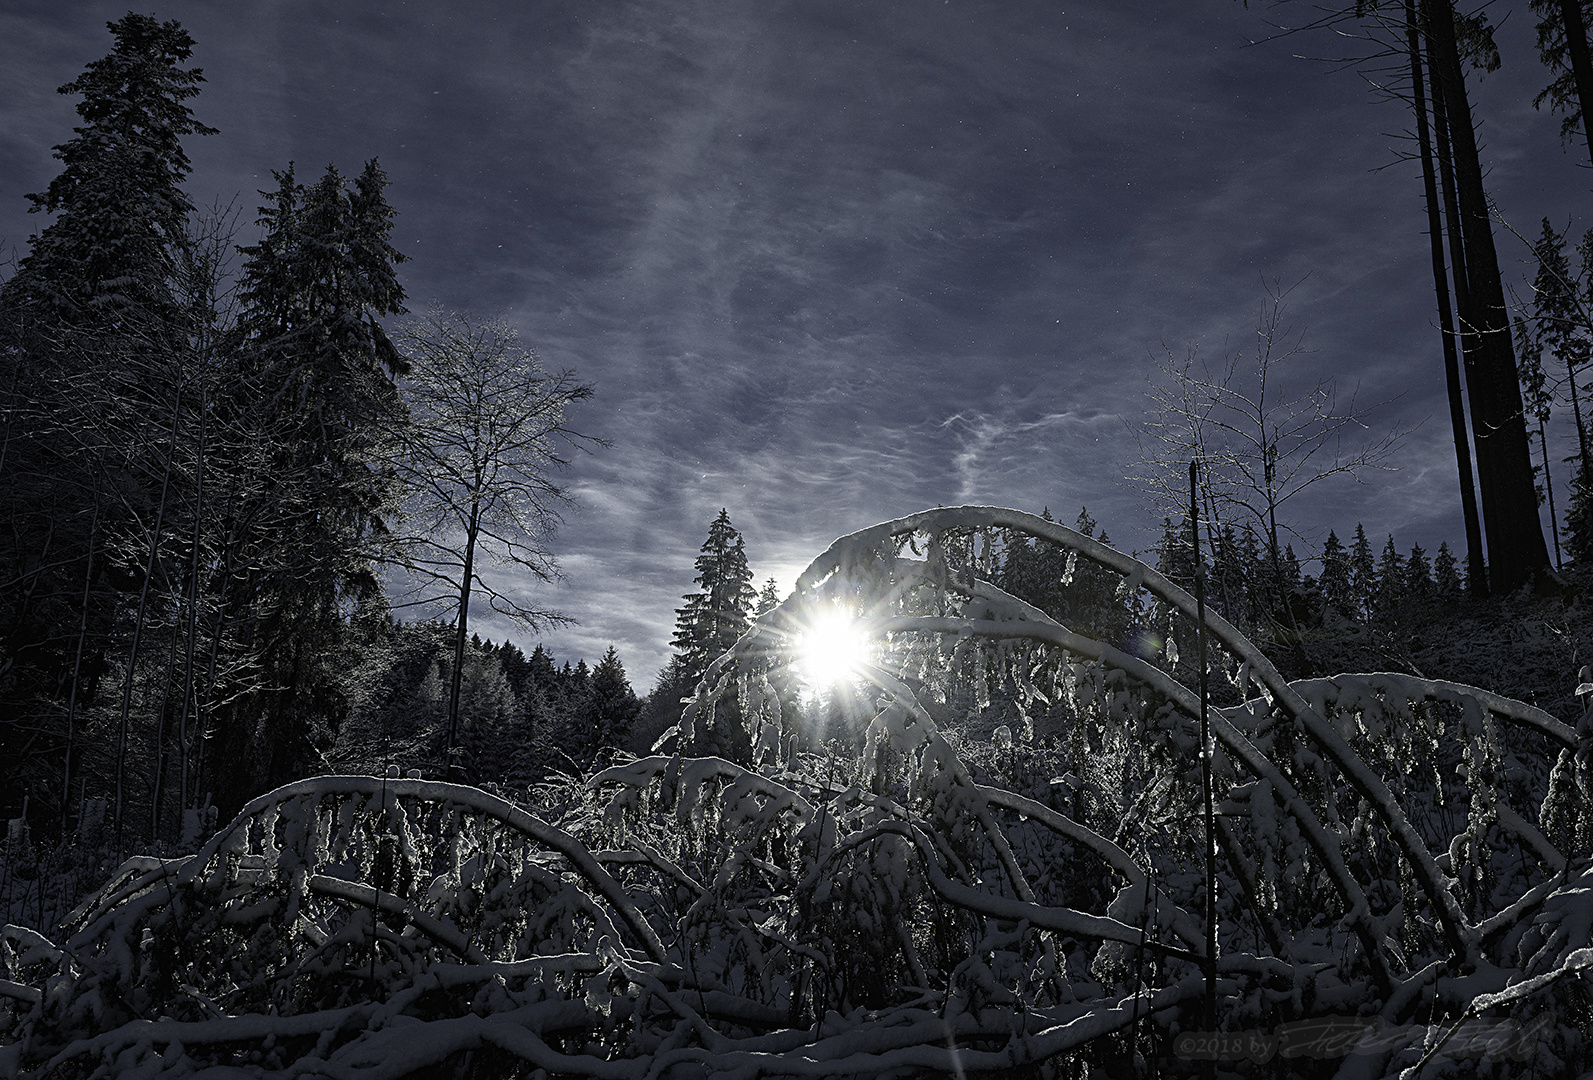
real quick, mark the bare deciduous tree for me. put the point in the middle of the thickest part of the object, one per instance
(1260, 447)
(477, 463)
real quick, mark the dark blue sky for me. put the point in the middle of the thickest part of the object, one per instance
(830, 263)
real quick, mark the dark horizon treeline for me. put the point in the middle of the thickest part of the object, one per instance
(525, 717)
(1262, 597)
(1274, 602)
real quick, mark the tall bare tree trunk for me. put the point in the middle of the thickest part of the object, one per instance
(1548, 483)
(459, 636)
(201, 717)
(1476, 568)
(1477, 579)
(1517, 554)
(1584, 456)
(160, 736)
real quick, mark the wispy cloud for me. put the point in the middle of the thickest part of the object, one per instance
(830, 263)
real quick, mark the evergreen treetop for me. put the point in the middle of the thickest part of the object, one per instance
(1558, 322)
(1363, 571)
(1446, 574)
(1418, 574)
(119, 197)
(1292, 579)
(1229, 579)
(769, 598)
(542, 669)
(310, 387)
(1390, 579)
(324, 273)
(1335, 576)
(311, 348)
(1176, 555)
(716, 616)
(611, 706)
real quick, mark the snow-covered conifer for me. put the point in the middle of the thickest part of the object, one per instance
(716, 615)
(1418, 575)
(1390, 581)
(1335, 576)
(1363, 572)
(769, 598)
(1447, 584)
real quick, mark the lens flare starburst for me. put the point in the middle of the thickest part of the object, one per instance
(830, 650)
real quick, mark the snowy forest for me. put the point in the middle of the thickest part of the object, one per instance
(981, 795)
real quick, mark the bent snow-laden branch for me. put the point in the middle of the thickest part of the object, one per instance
(971, 854)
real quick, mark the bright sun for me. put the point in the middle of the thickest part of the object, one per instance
(830, 650)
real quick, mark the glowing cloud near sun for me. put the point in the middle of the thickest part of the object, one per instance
(830, 649)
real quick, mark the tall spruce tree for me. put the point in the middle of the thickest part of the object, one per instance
(121, 211)
(1335, 576)
(1559, 324)
(313, 377)
(1390, 581)
(1446, 575)
(1230, 575)
(1560, 327)
(1250, 557)
(715, 616)
(1175, 556)
(1292, 580)
(1363, 572)
(708, 624)
(610, 709)
(1418, 575)
(93, 360)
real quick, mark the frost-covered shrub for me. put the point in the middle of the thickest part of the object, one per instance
(1001, 867)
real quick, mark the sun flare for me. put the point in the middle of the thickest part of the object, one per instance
(831, 649)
